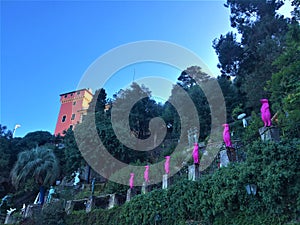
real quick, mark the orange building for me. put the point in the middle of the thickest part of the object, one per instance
(73, 106)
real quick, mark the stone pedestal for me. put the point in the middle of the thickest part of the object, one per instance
(90, 204)
(130, 194)
(269, 134)
(69, 207)
(10, 219)
(224, 158)
(231, 153)
(33, 210)
(194, 173)
(112, 201)
(76, 205)
(145, 187)
(165, 181)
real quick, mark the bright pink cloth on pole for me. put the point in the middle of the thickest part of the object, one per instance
(146, 173)
(131, 180)
(196, 153)
(167, 165)
(265, 112)
(226, 135)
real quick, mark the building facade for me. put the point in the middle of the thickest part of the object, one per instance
(73, 106)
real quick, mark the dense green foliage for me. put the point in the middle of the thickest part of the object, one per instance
(285, 85)
(222, 197)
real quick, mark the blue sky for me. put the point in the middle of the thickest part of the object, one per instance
(46, 46)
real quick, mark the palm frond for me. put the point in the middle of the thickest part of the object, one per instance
(39, 163)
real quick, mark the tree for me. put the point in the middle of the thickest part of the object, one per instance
(172, 120)
(39, 164)
(262, 41)
(34, 139)
(229, 53)
(285, 86)
(135, 107)
(187, 78)
(5, 155)
(231, 95)
(192, 80)
(296, 11)
(245, 13)
(73, 159)
(98, 102)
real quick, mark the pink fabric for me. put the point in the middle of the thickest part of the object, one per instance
(265, 112)
(196, 153)
(146, 173)
(131, 180)
(167, 165)
(226, 135)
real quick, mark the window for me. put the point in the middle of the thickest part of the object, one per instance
(66, 96)
(64, 118)
(78, 92)
(73, 116)
(74, 103)
(71, 127)
(71, 94)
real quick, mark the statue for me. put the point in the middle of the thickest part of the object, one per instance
(167, 165)
(242, 117)
(131, 180)
(5, 200)
(76, 179)
(196, 153)
(265, 112)
(226, 135)
(146, 174)
(51, 192)
(23, 209)
(10, 211)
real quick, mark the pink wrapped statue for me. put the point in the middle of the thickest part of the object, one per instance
(196, 153)
(167, 165)
(226, 135)
(146, 174)
(131, 180)
(265, 112)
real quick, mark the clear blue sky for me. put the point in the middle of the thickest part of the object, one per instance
(47, 46)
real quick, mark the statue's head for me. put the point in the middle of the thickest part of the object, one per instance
(195, 144)
(264, 100)
(132, 174)
(147, 166)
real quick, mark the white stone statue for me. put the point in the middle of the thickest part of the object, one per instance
(242, 117)
(51, 192)
(76, 179)
(10, 211)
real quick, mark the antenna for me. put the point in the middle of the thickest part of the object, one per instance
(133, 75)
